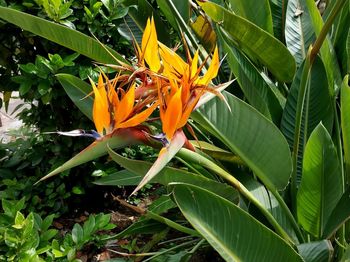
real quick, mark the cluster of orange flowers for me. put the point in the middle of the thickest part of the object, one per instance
(161, 79)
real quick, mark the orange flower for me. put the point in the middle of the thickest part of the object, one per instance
(117, 109)
(179, 97)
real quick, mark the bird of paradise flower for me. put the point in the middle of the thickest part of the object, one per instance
(160, 79)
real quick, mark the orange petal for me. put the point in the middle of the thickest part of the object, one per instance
(100, 113)
(212, 70)
(187, 112)
(125, 106)
(139, 118)
(171, 61)
(172, 115)
(149, 46)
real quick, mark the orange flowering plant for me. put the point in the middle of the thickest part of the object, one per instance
(160, 79)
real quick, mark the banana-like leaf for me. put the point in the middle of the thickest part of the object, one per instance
(182, 7)
(78, 91)
(299, 32)
(205, 32)
(257, 13)
(345, 122)
(255, 42)
(278, 10)
(61, 35)
(166, 176)
(249, 135)
(327, 50)
(339, 216)
(270, 203)
(321, 185)
(317, 108)
(235, 234)
(320, 251)
(97, 149)
(253, 85)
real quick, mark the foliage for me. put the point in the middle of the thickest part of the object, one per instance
(272, 180)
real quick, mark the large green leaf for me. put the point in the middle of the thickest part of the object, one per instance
(299, 32)
(78, 91)
(270, 203)
(249, 135)
(317, 108)
(166, 176)
(345, 122)
(259, 14)
(255, 42)
(253, 85)
(339, 216)
(320, 251)
(61, 35)
(235, 234)
(278, 10)
(327, 50)
(182, 7)
(321, 184)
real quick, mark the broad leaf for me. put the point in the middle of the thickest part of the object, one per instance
(249, 135)
(166, 176)
(299, 32)
(321, 184)
(78, 91)
(252, 83)
(182, 7)
(257, 13)
(61, 35)
(317, 108)
(235, 234)
(256, 43)
(339, 216)
(320, 251)
(270, 203)
(278, 10)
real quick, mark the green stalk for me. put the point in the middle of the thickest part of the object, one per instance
(172, 224)
(325, 29)
(197, 158)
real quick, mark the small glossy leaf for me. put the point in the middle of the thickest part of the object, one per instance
(78, 91)
(321, 184)
(61, 35)
(235, 234)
